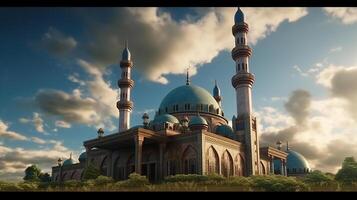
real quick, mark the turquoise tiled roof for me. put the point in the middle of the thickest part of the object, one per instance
(188, 94)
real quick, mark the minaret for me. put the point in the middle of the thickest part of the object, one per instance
(217, 93)
(125, 84)
(243, 81)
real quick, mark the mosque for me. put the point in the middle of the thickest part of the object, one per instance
(189, 133)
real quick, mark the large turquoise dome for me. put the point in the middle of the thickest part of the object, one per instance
(189, 98)
(69, 161)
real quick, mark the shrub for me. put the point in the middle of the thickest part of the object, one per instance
(9, 187)
(28, 186)
(103, 180)
(135, 180)
(277, 183)
(239, 181)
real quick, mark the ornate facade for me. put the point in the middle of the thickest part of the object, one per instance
(189, 133)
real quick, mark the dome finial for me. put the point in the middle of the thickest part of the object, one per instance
(287, 146)
(188, 77)
(70, 155)
(126, 43)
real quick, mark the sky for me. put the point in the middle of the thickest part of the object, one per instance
(59, 69)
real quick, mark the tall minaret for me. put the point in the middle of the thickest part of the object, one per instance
(125, 84)
(243, 81)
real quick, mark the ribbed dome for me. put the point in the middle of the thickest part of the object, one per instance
(239, 16)
(225, 130)
(197, 120)
(188, 94)
(83, 157)
(165, 118)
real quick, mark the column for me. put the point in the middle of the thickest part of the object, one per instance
(285, 171)
(138, 152)
(282, 167)
(162, 147)
(272, 165)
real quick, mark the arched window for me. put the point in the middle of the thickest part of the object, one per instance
(166, 109)
(73, 175)
(104, 166)
(212, 161)
(217, 111)
(188, 106)
(189, 160)
(211, 109)
(227, 164)
(238, 67)
(241, 40)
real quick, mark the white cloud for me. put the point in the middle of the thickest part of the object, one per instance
(93, 103)
(346, 15)
(300, 71)
(57, 43)
(38, 140)
(36, 120)
(62, 124)
(13, 161)
(181, 43)
(336, 49)
(5, 133)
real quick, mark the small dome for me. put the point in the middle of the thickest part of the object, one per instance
(239, 16)
(83, 157)
(225, 130)
(165, 118)
(197, 120)
(69, 161)
(296, 163)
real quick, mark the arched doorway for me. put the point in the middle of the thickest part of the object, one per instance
(212, 161)
(189, 160)
(227, 164)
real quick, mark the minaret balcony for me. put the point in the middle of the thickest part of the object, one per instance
(242, 78)
(241, 51)
(125, 83)
(239, 28)
(125, 105)
(126, 63)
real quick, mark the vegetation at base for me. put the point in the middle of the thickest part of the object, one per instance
(91, 172)
(345, 180)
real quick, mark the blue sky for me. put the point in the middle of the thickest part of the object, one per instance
(48, 53)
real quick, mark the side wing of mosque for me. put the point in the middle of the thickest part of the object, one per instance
(189, 133)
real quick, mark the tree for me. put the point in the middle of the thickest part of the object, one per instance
(45, 177)
(91, 172)
(348, 173)
(32, 173)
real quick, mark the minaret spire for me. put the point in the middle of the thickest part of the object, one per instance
(187, 77)
(125, 105)
(217, 93)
